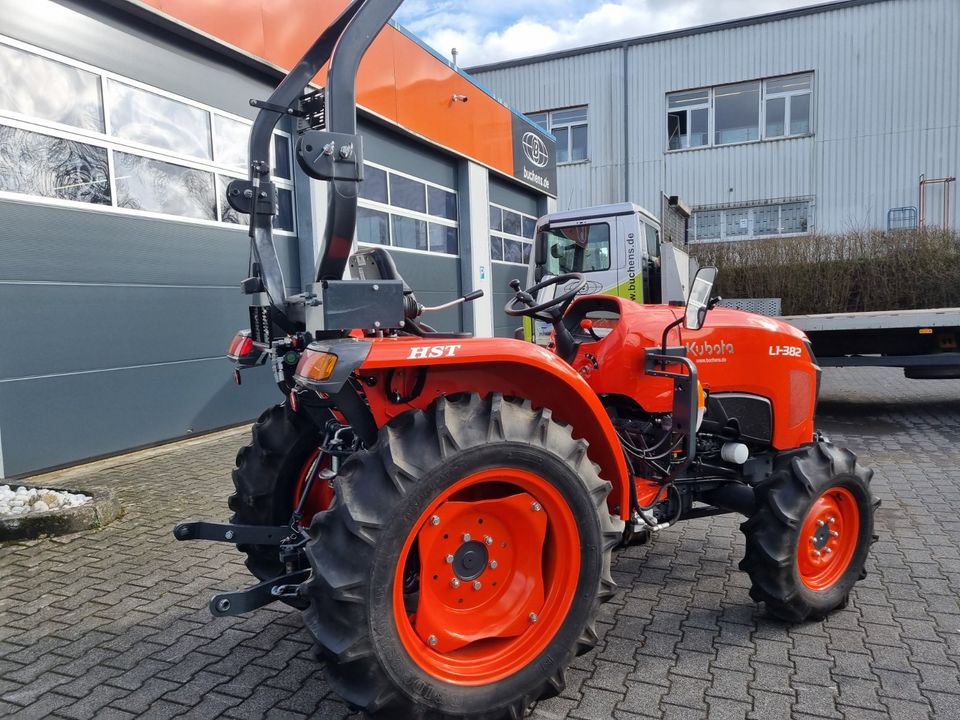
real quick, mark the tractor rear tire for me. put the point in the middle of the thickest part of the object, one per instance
(265, 479)
(808, 539)
(395, 541)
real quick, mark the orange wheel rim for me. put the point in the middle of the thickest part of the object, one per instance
(828, 538)
(321, 492)
(486, 576)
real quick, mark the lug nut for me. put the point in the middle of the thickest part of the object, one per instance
(816, 553)
(434, 519)
(820, 523)
(828, 550)
(454, 583)
(432, 639)
(466, 537)
(493, 564)
(831, 520)
(834, 533)
(532, 617)
(488, 540)
(476, 584)
(449, 559)
(535, 507)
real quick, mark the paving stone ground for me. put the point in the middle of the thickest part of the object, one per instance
(113, 623)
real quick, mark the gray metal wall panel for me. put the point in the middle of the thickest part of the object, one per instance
(407, 155)
(56, 244)
(508, 195)
(885, 111)
(63, 419)
(95, 34)
(75, 328)
(503, 324)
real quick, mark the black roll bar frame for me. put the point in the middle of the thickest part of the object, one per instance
(344, 43)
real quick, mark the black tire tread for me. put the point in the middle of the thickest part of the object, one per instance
(771, 532)
(367, 489)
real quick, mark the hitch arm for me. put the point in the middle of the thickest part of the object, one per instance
(236, 534)
(241, 601)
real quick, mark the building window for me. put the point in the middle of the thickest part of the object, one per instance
(405, 212)
(751, 221)
(739, 113)
(688, 119)
(511, 235)
(569, 127)
(75, 133)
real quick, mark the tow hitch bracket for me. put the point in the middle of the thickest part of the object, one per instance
(237, 534)
(241, 601)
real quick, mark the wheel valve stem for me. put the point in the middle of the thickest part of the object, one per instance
(533, 617)
(434, 519)
(432, 640)
(535, 507)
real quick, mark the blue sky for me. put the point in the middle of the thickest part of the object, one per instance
(489, 30)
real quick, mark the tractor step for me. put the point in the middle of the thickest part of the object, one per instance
(241, 601)
(237, 534)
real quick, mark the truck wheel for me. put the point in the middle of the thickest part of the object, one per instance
(269, 477)
(462, 562)
(808, 539)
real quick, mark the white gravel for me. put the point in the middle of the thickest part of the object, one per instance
(27, 500)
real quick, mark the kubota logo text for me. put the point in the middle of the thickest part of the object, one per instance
(707, 349)
(432, 351)
(535, 149)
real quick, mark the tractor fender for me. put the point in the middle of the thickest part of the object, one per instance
(404, 373)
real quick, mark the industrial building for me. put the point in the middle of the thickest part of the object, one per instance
(819, 119)
(120, 124)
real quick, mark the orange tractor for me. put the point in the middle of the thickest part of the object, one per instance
(443, 508)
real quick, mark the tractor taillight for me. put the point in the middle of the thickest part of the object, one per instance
(315, 367)
(240, 346)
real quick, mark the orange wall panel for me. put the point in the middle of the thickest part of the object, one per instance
(398, 79)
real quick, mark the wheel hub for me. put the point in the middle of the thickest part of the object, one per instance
(828, 538)
(470, 560)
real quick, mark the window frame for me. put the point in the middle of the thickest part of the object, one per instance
(761, 113)
(503, 235)
(569, 125)
(113, 143)
(751, 209)
(391, 210)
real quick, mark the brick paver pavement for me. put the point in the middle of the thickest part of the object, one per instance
(113, 623)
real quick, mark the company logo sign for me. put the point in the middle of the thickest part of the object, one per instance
(710, 352)
(535, 149)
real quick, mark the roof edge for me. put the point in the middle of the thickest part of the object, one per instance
(674, 34)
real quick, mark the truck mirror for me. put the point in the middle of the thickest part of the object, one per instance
(699, 299)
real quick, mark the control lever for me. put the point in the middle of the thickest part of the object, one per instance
(466, 298)
(524, 297)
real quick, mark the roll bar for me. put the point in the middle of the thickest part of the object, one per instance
(343, 43)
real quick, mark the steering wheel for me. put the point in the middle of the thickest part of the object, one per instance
(530, 307)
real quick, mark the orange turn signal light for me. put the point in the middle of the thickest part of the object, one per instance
(316, 366)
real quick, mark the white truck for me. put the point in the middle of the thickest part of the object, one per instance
(619, 250)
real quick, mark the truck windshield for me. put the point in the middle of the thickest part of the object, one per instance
(580, 248)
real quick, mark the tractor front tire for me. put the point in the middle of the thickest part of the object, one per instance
(807, 541)
(461, 565)
(268, 471)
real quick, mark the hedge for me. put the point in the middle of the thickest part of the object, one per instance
(854, 272)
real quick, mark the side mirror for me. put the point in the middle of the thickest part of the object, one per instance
(540, 246)
(699, 299)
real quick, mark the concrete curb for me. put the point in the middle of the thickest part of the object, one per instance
(94, 514)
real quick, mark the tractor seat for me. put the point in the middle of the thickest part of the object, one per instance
(375, 263)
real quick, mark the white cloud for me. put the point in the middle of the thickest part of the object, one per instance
(505, 29)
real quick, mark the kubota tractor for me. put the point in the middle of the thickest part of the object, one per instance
(443, 508)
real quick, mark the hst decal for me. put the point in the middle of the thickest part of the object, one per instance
(432, 351)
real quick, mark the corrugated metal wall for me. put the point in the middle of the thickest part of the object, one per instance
(886, 109)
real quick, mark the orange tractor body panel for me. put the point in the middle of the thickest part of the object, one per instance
(496, 365)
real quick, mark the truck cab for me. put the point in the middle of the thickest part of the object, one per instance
(617, 247)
